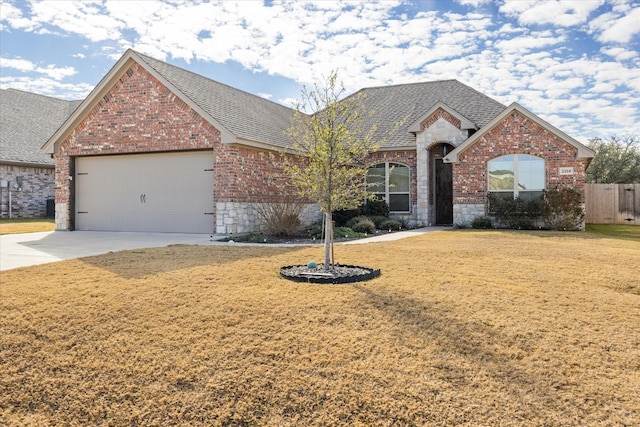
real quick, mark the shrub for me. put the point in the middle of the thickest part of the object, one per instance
(517, 214)
(481, 222)
(353, 221)
(341, 217)
(365, 225)
(391, 224)
(281, 218)
(404, 221)
(375, 208)
(345, 232)
(562, 209)
(314, 230)
(378, 219)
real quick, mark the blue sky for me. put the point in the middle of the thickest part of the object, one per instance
(575, 63)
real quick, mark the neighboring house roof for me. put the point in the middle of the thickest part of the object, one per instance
(583, 152)
(27, 120)
(405, 104)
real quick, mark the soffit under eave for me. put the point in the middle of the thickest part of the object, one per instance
(583, 152)
(105, 85)
(465, 123)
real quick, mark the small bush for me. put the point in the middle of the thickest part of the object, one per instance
(343, 216)
(353, 221)
(375, 208)
(281, 218)
(378, 219)
(365, 225)
(481, 222)
(517, 214)
(404, 221)
(391, 224)
(314, 230)
(562, 209)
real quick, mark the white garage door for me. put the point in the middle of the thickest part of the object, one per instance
(165, 192)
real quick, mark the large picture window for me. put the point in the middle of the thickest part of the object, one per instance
(517, 176)
(390, 182)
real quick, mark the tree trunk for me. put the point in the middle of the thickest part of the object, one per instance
(328, 240)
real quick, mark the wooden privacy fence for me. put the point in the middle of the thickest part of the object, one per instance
(612, 204)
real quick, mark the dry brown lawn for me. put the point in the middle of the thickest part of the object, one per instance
(25, 225)
(478, 328)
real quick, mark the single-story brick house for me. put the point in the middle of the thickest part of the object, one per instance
(157, 148)
(27, 120)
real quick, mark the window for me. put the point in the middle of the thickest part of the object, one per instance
(517, 176)
(390, 182)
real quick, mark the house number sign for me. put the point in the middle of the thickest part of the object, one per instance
(566, 171)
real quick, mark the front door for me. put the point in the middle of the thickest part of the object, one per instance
(444, 192)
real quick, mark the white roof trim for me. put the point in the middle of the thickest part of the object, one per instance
(105, 85)
(464, 122)
(583, 151)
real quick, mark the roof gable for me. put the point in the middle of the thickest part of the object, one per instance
(465, 123)
(239, 116)
(398, 108)
(582, 151)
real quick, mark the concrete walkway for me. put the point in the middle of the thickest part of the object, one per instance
(22, 250)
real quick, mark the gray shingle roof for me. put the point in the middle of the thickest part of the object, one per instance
(245, 115)
(254, 118)
(406, 103)
(27, 120)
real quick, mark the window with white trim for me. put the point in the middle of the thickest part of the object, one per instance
(391, 182)
(517, 176)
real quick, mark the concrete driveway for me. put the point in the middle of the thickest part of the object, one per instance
(21, 250)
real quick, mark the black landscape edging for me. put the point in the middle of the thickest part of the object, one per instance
(333, 280)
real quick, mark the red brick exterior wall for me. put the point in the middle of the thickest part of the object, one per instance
(440, 113)
(249, 175)
(514, 135)
(138, 115)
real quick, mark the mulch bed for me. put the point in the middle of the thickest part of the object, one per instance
(336, 274)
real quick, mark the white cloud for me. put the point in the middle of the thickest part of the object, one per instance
(17, 64)
(474, 3)
(615, 28)
(78, 17)
(47, 86)
(507, 56)
(25, 66)
(619, 53)
(526, 43)
(562, 13)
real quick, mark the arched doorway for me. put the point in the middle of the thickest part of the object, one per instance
(442, 188)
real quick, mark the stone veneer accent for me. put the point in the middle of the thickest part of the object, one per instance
(239, 217)
(465, 214)
(31, 200)
(441, 127)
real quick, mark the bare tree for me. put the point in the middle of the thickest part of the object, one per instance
(330, 135)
